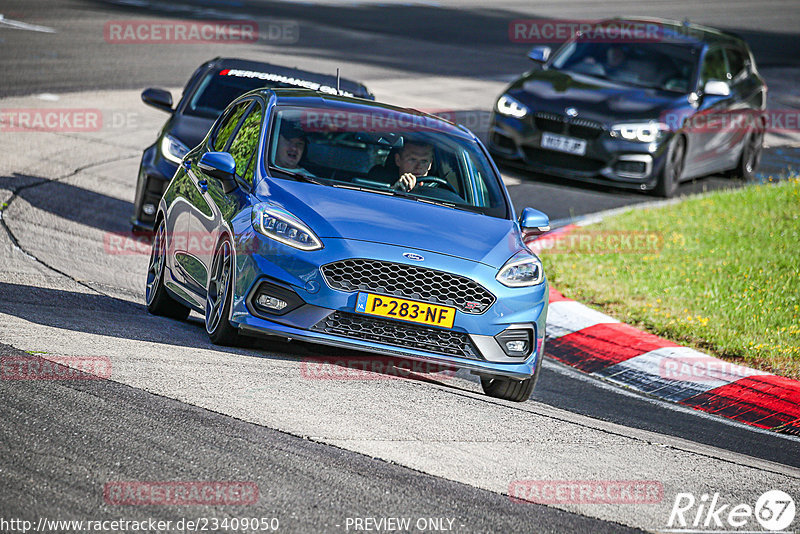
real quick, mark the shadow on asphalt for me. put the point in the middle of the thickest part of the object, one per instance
(109, 316)
(71, 202)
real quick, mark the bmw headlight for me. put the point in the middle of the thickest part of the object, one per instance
(172, 149)
(280, 225)
(510, 106)
(522, 270)
(643, 132)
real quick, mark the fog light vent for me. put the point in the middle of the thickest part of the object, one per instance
(515, 342)
(271, 303)
(271, 299)
(631, 167)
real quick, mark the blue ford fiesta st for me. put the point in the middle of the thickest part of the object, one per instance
(346, 222)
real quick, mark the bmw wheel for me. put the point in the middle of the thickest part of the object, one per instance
(219, 296)
(671, 173)
(751, 156)
(159, 302)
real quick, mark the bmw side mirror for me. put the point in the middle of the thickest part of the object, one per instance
(533, 222)
(220, 165)
(158, 98)
(539, 54)
(716, 88)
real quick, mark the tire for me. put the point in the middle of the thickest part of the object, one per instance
(670, 175)
(750, 158)
(158, 300)
(219, 295)
(508, 388)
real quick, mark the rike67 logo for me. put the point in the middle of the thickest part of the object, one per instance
(773, 511)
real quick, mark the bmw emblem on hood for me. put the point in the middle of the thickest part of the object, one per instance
(572, 112)
(413, 257)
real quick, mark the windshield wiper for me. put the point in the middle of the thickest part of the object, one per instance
(365, 189)
(401, 194)
(299, 176)
(406, 194)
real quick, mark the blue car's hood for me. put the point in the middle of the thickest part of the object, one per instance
(344, 213)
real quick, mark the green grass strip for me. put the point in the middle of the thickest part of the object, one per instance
(719, 272)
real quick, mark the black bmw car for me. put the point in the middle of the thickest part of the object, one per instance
(686, 102)
(209, 91)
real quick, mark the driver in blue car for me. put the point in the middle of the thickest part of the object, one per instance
(411, 162)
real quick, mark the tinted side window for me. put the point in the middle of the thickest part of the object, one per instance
(245, 144)
(714, 67)
(227, 125)
(736, 62)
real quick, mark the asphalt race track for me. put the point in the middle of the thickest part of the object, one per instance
(322, 451)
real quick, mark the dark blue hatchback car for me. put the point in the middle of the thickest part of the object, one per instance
(209, 90)
(341, 221)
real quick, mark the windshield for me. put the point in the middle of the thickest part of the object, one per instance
(385, 152)
(220, 87)
(665, 66)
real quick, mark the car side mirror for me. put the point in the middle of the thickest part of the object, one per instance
(222, 166)
(158, 98)
(539, 54)
(533, 222)
(716, 88)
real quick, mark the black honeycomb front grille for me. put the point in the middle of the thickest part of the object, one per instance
(560, 124)
(399, 334)
(408, 281)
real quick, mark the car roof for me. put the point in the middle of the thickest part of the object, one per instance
(289, 73)
(316, 99)
(685, 31)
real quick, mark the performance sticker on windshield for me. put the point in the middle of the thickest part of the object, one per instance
(299, 82)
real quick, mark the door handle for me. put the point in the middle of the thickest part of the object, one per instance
(203, 185)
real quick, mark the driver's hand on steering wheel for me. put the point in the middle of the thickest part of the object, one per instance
(407, 182)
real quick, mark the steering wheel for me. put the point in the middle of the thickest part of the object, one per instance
(441, 182)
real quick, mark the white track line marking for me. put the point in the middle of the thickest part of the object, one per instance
(568, 316)
(19, 25)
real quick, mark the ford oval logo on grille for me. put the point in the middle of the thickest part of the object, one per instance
(413, 257)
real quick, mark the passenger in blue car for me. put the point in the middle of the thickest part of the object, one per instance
(291, 146)
(404, 167)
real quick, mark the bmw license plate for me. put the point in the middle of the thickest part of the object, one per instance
(406, 310)
(563, 143)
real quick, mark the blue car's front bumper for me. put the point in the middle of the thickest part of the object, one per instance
(263, 260)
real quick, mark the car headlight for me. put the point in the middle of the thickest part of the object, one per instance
(280, 225)
(643, 132)
(507, 105)
(172, 149)
(522, 270)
